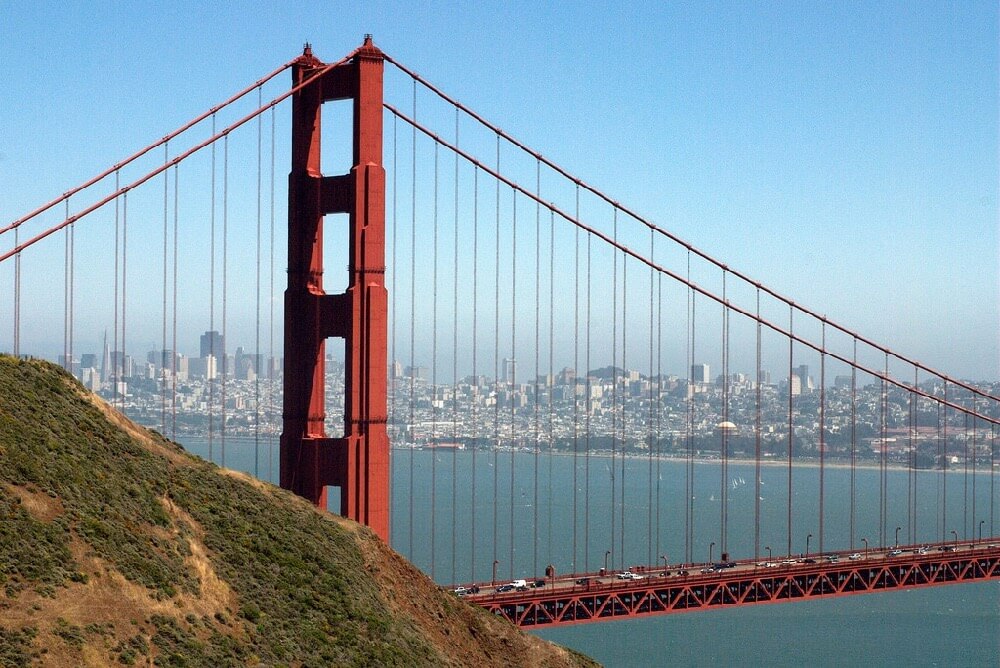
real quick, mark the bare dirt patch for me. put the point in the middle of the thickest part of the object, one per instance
(39, 505)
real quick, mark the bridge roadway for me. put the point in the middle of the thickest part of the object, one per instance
(653, 590)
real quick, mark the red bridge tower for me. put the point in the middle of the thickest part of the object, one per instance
(358, 463)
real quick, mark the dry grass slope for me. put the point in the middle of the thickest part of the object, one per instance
(116, 547)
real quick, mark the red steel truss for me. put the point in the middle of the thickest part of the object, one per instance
(358, 463)
(655, 594)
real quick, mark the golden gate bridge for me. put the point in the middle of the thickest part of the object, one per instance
(564, 309)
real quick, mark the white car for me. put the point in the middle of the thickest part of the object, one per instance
(628, 575)
(855, 556)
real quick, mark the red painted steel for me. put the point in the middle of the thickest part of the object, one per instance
(654, 593)
(358, 463)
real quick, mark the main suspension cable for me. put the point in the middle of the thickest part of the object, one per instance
(607, 239)
(674, 238)
(116, 168)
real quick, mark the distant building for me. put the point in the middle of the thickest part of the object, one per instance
(416, 372)
(700, 373)
(509, 370)
(805, 382)
(202, 367)
(212, 343)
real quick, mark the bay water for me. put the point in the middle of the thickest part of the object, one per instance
(459, 514)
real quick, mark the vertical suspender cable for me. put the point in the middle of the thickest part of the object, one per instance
(72, 271)
(538, 306)
(854, 435)
(454, 378)
(272, 419)
(161, 362)
(393, 416)
(434, 387)
(791, 425)
(883, 458)
(724, 431)
(551, 378)
(225, 285)
(689, 426)
(212, 374)
(588, 408)
(113, 373)
(614, 385)
(65, 356)
(659, 402)
(727, 394)
(513, 366)
(975, 424)
(475, 357)
(965, 476)
(413, 306)
(944, 462)
(573, 397)
(106, 360)
(625, 395)
(173, 344)
(496, 368)
(17, 287)
(257, 257)
(756, 438)
(124, 357)
(651, 433)
(993, 470)
(822, 433)
(911, 493)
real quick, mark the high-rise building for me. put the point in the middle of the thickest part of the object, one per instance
(700, 373)
(803, 373)
(509, 370)
(213, 343)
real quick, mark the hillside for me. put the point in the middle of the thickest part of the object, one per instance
(118, 548)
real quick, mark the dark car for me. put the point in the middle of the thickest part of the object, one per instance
(505, 588)
(583, 581)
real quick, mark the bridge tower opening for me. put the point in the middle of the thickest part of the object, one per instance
(358, 463)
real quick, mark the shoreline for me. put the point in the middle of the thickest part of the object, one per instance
(769, 462)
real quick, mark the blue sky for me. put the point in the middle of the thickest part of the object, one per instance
(844, 153)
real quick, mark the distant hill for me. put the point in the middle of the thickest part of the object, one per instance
(118, 548)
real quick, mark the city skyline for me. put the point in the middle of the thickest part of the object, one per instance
(858, 147)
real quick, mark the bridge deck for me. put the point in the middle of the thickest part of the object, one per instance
(602, 597)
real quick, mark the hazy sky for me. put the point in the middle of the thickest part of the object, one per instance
(845, 154)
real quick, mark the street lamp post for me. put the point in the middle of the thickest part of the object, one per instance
(711, 546)
(897, 535)
(865, 541)
(955, 534)
(664, 557)
(606, 555)
(768, 548)
(981, 523)
(494, 581)
(808, 538)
